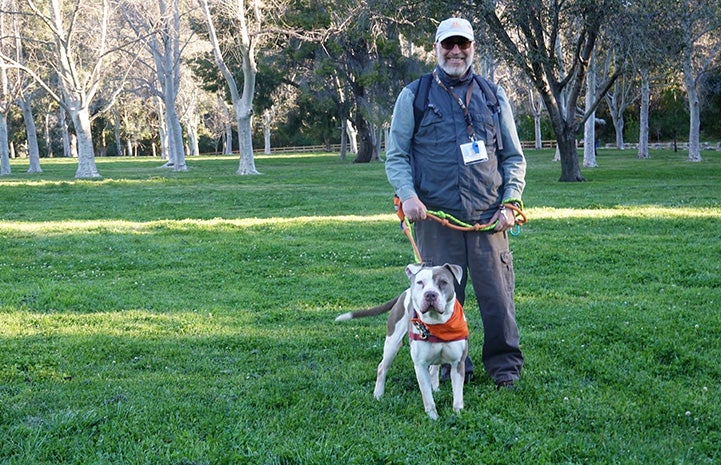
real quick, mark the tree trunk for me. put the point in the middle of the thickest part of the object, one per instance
(244, 116)
(643, 114)
(5, 101)
(365, 145)
(619, 124)
(537, 131)
(176, 150)
(162, 131)
(536, 105)
(589, 129)
(4, 146)
(386, 136)
(267, 120)
(570, 169)
(242, 104)
(116, 133)
(375, 142)
(352, 136)
(86, 152)
(616, 103)
(589, 143)
(228, 140)
(694, 143)
(48, 139)
(343, 140)
(246, 164)
(72, 145)
(65, 131)
(227, 127)
(193, 144)
(566, 150)
(32, 135)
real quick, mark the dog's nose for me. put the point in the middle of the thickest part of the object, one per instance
(430, 296)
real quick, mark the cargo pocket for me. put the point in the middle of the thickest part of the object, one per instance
(508, 274)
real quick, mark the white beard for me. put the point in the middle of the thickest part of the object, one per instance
(453, 67)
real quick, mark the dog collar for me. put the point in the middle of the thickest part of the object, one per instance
(455, 329)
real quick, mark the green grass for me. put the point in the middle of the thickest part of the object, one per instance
(154, 317)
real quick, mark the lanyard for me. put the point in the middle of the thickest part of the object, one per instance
(461, 103)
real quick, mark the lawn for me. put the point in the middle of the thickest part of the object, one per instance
(153, 317)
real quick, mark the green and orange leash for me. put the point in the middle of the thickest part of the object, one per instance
(451, 222)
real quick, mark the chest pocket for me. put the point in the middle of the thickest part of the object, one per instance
(484, 127)
(434, 131)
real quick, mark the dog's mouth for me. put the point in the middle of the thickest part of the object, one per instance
(433, 308)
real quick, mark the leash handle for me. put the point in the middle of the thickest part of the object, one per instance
(454, 223)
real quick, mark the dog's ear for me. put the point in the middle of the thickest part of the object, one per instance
(413, 269)
(455, 270)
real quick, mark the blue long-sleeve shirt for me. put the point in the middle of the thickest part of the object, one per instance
(430, 164)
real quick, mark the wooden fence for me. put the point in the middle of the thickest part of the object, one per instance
(526, 144)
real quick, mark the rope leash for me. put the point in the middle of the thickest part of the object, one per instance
(448, 220)
(454, 223)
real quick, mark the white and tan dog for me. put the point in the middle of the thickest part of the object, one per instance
(429, 312)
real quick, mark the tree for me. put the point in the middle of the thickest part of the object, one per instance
(589, 136)
(623, 94)
(535, 103)
(530, 33)
(247, 35)
(644, 109)
(15, 88)
(77, 56)
(24, 101)
(367, 56)
(6, 98)
(75, 43)
(27, 92)
(360, 65)
(158, 26)
(189, 100)
(653, 45)
(700, 22)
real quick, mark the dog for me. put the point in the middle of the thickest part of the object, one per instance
(433, 318)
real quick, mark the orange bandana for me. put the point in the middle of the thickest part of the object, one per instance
(454, 329)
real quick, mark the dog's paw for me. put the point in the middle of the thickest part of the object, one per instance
(344, 317)
(432, 414)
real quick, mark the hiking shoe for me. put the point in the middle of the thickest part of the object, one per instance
(506, 384)
(469, 377)
(446, 374)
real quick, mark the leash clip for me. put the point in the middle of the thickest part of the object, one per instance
(424, 333)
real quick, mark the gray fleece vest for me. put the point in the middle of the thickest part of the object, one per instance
(441, 178)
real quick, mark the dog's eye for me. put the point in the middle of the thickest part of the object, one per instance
(443, 283)
(419, 283)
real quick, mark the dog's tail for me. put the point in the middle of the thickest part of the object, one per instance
(383, 308)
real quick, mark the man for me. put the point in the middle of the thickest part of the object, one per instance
(454, 162)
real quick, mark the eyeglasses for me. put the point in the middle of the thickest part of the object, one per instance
(463, 44)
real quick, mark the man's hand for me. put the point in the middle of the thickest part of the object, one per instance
(414, 209)
(506, 219)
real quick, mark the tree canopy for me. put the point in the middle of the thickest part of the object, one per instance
(157, 77)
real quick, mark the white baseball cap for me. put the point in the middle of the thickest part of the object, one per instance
(452, 27)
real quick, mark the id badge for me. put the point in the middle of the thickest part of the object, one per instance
(474, 152)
